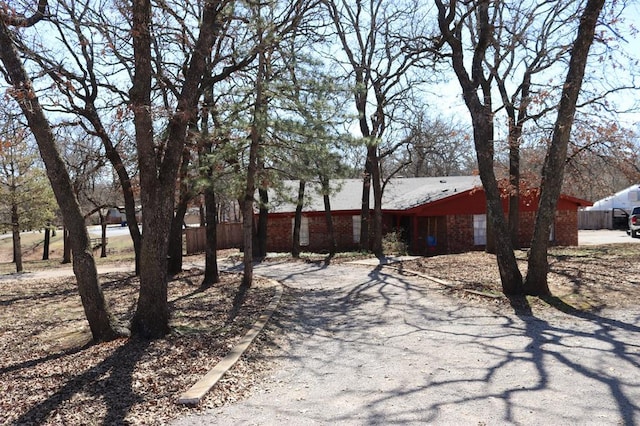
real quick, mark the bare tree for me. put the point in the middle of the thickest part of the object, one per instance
(553, 169)
(476, 85)
(433, 147)
(528, 41)
(158, 158)
(486, 25)
(85, 91)
(103, 326)
(531, 42)
(383, 47)
(159, 164)
(602, 158)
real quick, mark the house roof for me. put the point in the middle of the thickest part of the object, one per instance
(399, 194)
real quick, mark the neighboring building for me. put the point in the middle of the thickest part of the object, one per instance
(118, 215)
(435, 215)
(611, 212)
(625, 200)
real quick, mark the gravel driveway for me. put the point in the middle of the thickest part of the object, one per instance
(364, 345)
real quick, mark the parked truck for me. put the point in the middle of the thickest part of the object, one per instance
(634, 223)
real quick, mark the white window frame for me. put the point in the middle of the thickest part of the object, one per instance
(356, 226)
(480, 229)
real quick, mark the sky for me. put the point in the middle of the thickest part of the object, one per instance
(445, 98)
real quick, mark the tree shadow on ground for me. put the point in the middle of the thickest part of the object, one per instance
(35, 361)
(557, 353)
(48, 295)
(115, 370)
(605, 333)
(520, 305)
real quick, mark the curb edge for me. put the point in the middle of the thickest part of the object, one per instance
(195, 393)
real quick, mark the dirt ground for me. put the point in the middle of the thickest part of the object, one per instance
(588, 278)
(49, 375)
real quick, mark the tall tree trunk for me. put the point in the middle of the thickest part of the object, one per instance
(553, 169)
(483, 136)
(263, 216)
(103, 236)
(102, 324)
(208, 213)
(15, 229)
(365, 210)
(328, 217)
(297, 220)
(66, 247)
(158, 174)
(370, 157)
(510, 275)
(47, 241)
(517, 117)
(211, 274)
(174, 257)
(175, 234)
(151, 319)
(255, 137)
(372, 85)
(376, 181)
(125, 182)
(174, 249)
(247, 231)
(514, 186)
(490, 246)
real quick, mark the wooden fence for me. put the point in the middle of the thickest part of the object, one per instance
(595, 219)
(229, 235)
(603, 219)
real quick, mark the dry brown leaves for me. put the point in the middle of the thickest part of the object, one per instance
(584, 278)
(48, 374)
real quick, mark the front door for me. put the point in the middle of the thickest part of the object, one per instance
(430, 235)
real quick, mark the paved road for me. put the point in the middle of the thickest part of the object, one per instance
(366, 346)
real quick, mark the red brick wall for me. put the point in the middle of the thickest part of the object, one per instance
(459, 227)
(566, 228)
(279, 235)
(460, 238)
(525, 228)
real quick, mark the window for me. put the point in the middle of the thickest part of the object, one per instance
(304, 230)
(356, 228)
(480, 229)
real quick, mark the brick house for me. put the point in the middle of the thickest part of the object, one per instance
(435, 215)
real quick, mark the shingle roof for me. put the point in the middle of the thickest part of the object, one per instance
(399, 194)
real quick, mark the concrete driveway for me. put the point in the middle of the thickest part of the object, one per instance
(604, 236)
(362, 345)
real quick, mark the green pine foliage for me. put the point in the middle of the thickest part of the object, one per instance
(23, 183)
